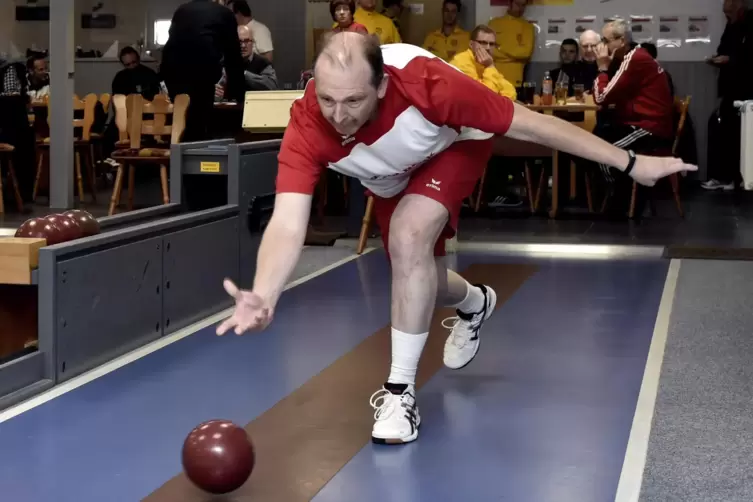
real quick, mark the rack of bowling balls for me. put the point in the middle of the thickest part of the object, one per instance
(60, 227)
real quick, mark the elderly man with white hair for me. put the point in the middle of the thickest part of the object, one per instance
(642, 105)
(589, 40)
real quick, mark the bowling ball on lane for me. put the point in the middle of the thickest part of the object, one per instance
(88, 223)
(218, 456)
(70, 228)
(40, 228)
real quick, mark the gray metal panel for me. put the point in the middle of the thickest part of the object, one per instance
(25, 393)
(21, 372)
(131, 217)
(46, 309)
(196, 261)
(108, 303)
(61, 112)
(258, 174)
(176, 169)
(257, 146)
(233, 176)
(136, 232)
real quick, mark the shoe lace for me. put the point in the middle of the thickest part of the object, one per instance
(385, 402)
(460, 330)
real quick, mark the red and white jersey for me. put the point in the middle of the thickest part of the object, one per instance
(428, 106)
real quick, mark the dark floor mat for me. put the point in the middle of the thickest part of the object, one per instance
(708, 253)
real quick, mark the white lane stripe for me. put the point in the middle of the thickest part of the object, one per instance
(631, 478)
(154, 346)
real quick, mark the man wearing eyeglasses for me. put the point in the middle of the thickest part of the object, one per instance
(258, 72)
(478, 62)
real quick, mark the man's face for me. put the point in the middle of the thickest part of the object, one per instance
(612, 41)
(568, 53)
(39, 70)
(487, 41)
(588, 45)
(346, 96)
(130, 61)
(367, 4)
(247, 43)
(517, 7)
(450, 14)
(732, 7)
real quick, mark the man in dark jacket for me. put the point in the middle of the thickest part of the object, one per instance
(734, 58)
(203, 41)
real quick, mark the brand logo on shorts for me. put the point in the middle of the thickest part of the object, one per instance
(434, 184)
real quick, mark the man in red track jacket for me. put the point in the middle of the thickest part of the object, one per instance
(640, 101)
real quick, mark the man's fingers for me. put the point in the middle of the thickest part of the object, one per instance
(231, 288)
(226, 325)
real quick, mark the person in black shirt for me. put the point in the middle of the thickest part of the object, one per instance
(203, 41)
(135, 78)
(734, 58)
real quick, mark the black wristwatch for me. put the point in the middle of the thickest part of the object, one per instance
(631, 162)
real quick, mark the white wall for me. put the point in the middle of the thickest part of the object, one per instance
(624, 8)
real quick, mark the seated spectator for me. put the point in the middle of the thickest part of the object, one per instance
(39, 77)
(478, 63)
(263, 37)
(393, 9)
(572, 71)
(643, 106)
(342, 14)
(450, 39)
(589, 40)
(376, 23)
(135, 78)
(258, 72)
(652, 50)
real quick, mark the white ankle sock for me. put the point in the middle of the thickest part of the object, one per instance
(473, 301)
(406, 351)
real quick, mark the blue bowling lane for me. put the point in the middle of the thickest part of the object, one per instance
(117, 438)
(544, 411)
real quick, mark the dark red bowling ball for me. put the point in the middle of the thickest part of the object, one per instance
(40, 228)
(69, 227)
(88, 223)
(218, 456)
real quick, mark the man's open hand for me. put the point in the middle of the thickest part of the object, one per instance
(648, 170)
(252, 313)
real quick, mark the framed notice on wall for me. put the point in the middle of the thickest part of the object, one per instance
(534, 2)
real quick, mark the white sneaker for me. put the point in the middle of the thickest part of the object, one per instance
(396, 417)
(462, 344)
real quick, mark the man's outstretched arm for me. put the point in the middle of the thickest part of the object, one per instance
(281, 245)
(455, 100)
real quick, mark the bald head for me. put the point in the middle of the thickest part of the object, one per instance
(350, 52)
(247, 40)
(589, 39)
(349, 79)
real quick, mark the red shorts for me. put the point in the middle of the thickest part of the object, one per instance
(448, 178)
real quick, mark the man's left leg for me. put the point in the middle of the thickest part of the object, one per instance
(414, 230)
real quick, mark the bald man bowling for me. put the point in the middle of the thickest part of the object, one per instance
(417, 133)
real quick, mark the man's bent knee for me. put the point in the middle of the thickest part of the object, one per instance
(414, 229)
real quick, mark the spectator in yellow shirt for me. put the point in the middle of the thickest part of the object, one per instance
(516, 37)
(450, 39)
(477, 62)
(377, 24)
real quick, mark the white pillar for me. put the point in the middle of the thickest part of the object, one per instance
(62, 59)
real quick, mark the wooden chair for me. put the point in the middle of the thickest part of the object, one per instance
(129, 118)
(81, 145)
(6, 157)
(681, 106)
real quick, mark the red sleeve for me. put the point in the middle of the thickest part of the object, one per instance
(628, 78)
(298, 164)
(446, 96)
